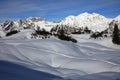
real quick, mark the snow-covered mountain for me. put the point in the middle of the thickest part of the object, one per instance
(29, 23)
(6, 27)
(93, 21)
(113, 22)
(34, 22)
(117, 19)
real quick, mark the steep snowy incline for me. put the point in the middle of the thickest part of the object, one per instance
(117, 20)
(93, 21)
(60, 58)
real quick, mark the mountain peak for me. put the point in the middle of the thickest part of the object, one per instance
(95, 14)
(93, 21)
(89, 14)
(71, 16)
(84, 14)
(118, 17)
(35, 19)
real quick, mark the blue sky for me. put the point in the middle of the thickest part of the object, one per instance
(53, 10)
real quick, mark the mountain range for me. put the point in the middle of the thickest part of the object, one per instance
(94, 22)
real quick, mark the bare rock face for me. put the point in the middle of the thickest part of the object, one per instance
(7, 26)
(113, 22)
(37, 19)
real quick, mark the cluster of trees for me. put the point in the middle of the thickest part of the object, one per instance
(96, 35)
(71, 30)
(12, 32)
(41, 33)
(61, 35)
(62, 32)
(102, 34)
(82, 30)
(116, 35)
(87, 30)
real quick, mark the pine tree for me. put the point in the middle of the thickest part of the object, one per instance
(116, 38)
(86, 30)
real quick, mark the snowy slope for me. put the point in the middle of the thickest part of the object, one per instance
(62, 58)
(93, 21)
(117, 20)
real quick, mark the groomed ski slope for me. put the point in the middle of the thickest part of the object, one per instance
(88, 59)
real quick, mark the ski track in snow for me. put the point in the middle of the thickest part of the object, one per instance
(61, 58)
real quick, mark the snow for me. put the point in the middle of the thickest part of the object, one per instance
(117, 20)
(47, 25)
(18, 72)
(42, 24)
(88, 59)
(2, 34)
(93, 21)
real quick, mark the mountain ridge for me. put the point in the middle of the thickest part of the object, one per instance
(93, 21)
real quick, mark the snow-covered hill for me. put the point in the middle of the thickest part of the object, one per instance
(117, 19)
(88, 59)
(93, 21)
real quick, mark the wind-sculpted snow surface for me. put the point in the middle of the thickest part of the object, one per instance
(85, 60)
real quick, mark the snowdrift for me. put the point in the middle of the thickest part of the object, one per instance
(87, 59)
